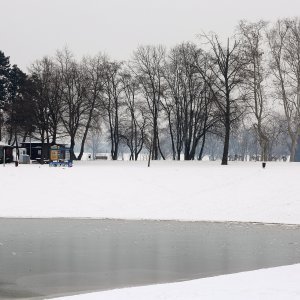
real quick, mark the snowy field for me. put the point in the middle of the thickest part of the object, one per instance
(167, 190)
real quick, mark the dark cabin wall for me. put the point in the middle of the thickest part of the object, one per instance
(297, 157)
(8, 154)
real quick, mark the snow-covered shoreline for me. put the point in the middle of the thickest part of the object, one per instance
(280, 283)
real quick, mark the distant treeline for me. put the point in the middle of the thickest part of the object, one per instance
(243, 93)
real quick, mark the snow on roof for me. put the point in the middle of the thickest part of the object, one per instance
(2, 144)
(37, 141)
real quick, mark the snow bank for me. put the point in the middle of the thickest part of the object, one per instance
(267, 284)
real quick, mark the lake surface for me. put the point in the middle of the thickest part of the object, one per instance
(43, 258)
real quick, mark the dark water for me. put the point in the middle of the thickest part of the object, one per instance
(47, 257)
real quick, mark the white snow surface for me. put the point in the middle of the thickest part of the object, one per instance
(281, 283)
(241, 191)
(167, 190)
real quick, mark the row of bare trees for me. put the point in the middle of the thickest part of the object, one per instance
(171, 103)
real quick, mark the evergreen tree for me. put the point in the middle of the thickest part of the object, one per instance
(4, 86)
(4, 78)
(17, 80)
(19, 108)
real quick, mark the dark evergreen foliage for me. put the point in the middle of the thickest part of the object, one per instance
(4, 78)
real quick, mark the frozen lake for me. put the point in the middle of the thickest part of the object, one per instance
(48, 257)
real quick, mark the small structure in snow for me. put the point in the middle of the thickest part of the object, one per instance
(103, 156)
(37, 149)
(60, 157)
(6, 152)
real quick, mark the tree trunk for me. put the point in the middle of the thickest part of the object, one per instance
(115, 150)
(54, 137)
(226, 142)
(200, 156)
(17, 147)
(155, 142)
(24, 137)
(293, 149)
(149, 158)
(10, 136)
(187, 143)
(43, 146)
(72, 145)
(172, 137)
(84, 136)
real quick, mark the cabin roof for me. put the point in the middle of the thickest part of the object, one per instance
(2, 144)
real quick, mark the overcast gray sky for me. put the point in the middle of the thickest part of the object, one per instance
(30, 29)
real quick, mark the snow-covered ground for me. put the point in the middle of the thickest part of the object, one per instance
(271, 284)
(167, 190)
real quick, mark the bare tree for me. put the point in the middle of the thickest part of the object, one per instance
(46, 77)
(252, 37)
(94, 71)
(95, 133)
(74, 96)
(188, 105)
(134, 125)
(41, 110)
(277, 133)
(112, 103)
(148, 64)
(228, 68)
(284, 42)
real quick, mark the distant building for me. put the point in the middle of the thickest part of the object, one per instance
(35, 149)
(297, 156)
(7, 152)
